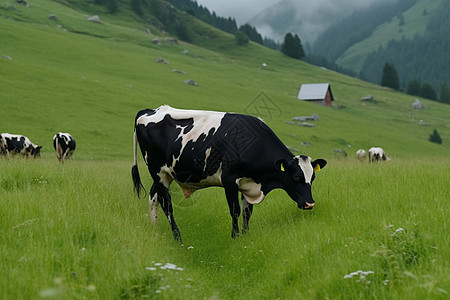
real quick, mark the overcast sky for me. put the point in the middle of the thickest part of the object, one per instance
(241, 10)
(306, 10)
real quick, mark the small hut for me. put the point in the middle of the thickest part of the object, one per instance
(319, 93)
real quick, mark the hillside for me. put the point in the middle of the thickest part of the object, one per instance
(414, 23)
(90, 79)
(399, 33)
(77, 230)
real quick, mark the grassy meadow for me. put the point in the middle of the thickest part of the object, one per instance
(77, 230)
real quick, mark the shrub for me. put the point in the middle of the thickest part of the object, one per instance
(435, 137)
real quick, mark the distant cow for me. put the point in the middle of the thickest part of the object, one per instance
(64, 145)
(12, 144)
(199, 149)
(361, 154)
(377, 154)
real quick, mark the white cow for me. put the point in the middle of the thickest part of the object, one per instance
(377, 154)
(361, 154)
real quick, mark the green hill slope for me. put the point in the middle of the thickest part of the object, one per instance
(90, 79)
(415, 23)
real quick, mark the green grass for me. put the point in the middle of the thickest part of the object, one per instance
(77, 231)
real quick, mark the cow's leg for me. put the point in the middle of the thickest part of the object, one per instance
(165, 200)
(153, 199)
(247, 210)
(232, 194)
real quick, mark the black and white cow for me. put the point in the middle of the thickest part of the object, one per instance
(377, 154)
(199, 149)
(64, 145)
(12, 144)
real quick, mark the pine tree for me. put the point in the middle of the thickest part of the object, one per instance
(445, 94)
(435, 137)
(112, 6)
(390, 77)
(414, 88)
(428, 91)
(251, 33)
(241, 37)
(136, 7)
(292, 46)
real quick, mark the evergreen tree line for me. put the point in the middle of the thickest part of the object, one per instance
(202, 13)
(225, 24)
(415, 87)
(111, 5)
(422, 63)
(332, 43)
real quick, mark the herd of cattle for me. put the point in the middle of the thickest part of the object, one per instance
(375, 154)
(200, 149)
(13, 144)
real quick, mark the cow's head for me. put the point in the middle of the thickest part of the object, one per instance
(297, 175)
(34, 150)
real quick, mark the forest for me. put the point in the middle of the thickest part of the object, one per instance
(336, 40)
(424, 58)
(419, 61)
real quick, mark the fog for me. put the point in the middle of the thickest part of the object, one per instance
(312, 17)
(241, 10)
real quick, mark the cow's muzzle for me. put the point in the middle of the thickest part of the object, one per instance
(308, 205)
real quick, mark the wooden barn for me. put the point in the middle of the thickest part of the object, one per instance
(319, 93)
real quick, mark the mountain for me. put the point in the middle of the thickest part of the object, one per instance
(360, 40)
(307, 18)
(62, 72)
(400, 33)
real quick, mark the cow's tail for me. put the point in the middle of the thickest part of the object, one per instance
(134, 170)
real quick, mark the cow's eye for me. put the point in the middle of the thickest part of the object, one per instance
(297, 178)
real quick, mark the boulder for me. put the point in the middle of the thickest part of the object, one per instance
(161, 61)
(23, 2)
(95, 19)
(367, 98)
(191, 82)
(178, 71)
(314, 117)
(418, 105)
(157, 42)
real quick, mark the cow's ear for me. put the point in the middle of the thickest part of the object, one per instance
(281, 165)
(318, 164)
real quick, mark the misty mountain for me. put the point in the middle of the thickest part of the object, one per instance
(412, 35)
(358, 39)
(424, 57)
(307, 18)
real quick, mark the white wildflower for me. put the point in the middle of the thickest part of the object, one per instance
(362, 274)
(91, 288)
(398, 230)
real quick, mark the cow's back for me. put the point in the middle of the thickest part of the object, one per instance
(164, 133)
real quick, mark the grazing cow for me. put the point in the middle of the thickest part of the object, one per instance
(12, 144)
(377, 154)
(361, 154)
(199, 149)
(64, 145)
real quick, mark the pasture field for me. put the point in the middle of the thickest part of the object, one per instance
(77, 231)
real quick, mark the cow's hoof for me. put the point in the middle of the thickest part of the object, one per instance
(308, 206)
